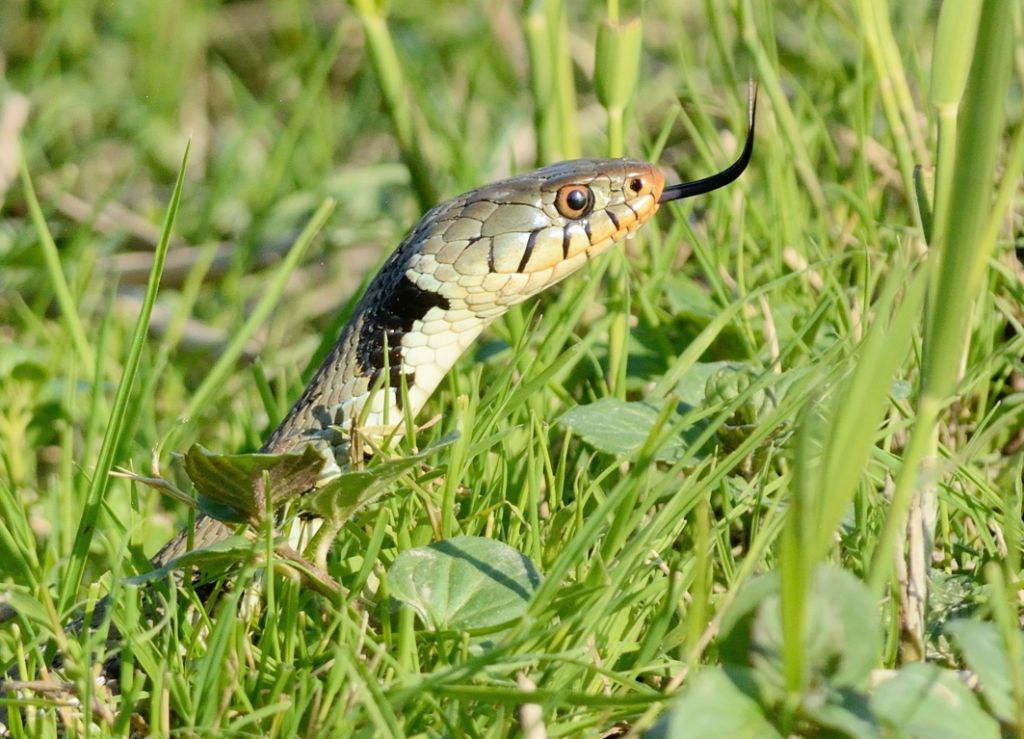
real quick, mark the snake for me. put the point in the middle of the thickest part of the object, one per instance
(465, 263)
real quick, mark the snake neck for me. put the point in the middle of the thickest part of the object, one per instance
(389, 358)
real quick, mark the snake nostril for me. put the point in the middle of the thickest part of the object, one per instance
(636, 184)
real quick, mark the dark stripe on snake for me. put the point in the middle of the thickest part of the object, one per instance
(613, 219)
(392, 315)
(529, 250)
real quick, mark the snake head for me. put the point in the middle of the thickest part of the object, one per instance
(498, 245)
(504, 242)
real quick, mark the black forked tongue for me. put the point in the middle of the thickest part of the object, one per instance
(727, 175)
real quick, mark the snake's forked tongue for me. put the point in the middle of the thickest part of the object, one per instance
(727, 175)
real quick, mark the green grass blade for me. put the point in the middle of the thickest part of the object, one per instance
(214, 379)
(72, 578)
(963, 259)
(61, 291)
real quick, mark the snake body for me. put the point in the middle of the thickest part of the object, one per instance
(463, 265)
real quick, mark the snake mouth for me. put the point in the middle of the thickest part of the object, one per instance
(727, 175)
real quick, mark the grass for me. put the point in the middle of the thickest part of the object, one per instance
(859, 380)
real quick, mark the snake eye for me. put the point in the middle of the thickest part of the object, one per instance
(574, 201)
(636, 184)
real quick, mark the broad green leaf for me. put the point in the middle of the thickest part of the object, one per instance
(620, 427)
(982, 648)
(214, 558)
(25, 605)
(716, 704)
(688, 298)
(236, 481)
(692, 386)
(464, 583)
(221, 511)
(736, 631)
(348, 492)
(22, 363)
(842, 643)
(932, 703)
(845, 712)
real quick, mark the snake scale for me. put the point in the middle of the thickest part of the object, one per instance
(463, 265)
